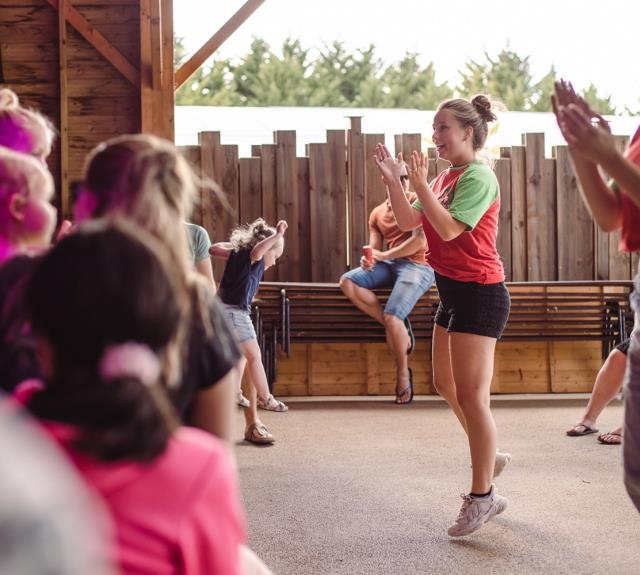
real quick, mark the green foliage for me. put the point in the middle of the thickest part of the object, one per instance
(338, 77)
(600, 104)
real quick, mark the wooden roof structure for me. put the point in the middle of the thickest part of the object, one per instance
(97, 68)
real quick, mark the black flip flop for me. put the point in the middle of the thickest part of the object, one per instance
(586, 431)
(405, 390)
(412, 337)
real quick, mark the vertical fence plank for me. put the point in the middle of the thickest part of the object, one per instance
(541, 225)
(575, 227)
(375, 190)
(269, 195)
(327, 208)
(357, 209)
(502, 168)
(250, 184)
(208, 203)
(304, 238)
(518, 215)
(337, 139)
(289, 268)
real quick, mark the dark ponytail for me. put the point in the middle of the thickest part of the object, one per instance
(100, 288)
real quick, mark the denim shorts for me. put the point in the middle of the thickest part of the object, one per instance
(408, 280)
(469, 307)
(241, 322)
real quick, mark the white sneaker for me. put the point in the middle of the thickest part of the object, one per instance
(476, 511)
(502, 460)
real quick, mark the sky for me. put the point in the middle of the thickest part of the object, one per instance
(586, 41)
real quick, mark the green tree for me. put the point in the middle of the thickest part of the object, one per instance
(410, 86)
(338, 75)
(540, 98)
(600, 104)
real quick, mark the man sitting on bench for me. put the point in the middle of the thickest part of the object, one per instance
(401, 266)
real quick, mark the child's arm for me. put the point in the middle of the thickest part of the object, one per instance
(221, 250)
(265, 245)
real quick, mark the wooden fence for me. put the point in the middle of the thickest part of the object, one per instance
(545, 231)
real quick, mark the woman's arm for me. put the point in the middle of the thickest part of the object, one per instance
(602, 201)
(390, 169)
(445, 225)
(410, 246)
(265, 245)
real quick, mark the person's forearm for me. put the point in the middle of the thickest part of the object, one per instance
(599, 198)
(626, 174)
(407, 248)
(445, 225)
(407, 218)
(264, 246)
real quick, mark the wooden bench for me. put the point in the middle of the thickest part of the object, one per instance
(286, 313)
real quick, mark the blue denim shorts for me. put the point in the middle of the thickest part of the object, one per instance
(241, 322)
(408, 280)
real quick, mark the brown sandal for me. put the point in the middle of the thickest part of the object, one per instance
(259, 434)
(610, 438)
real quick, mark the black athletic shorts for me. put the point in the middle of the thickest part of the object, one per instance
(469, 307)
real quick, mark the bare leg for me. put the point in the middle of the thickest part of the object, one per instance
(249, 391)
(472, 366)
(365, 300)
(398, 342)
(442, 372)
(608, 384)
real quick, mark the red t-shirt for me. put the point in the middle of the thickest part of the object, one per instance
(472, 196)
(630, 237)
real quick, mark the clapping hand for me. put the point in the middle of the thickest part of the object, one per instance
(418, 170)
(587, 132)
(390, 168)
(281, 227)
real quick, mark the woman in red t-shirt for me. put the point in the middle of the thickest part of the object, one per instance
(459, 214)
(615, 205)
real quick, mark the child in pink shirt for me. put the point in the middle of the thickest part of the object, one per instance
(106, 307)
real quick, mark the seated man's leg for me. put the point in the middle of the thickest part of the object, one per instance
(412, 281)
(358, 283)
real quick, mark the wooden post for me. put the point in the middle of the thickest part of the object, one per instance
(65, 200)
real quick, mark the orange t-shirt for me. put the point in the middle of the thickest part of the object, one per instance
(383, 220)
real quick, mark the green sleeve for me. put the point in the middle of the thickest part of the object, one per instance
(475, 191)
(199, 242)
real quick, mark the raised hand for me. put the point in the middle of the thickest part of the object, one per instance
(588, 136)
(418, 171)
(281, 227)
(390, 168)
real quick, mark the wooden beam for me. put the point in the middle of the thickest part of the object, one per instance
(65, 200)
(211, 45)
(168, 95)
(98, 41)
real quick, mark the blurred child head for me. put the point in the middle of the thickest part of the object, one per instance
(106, 308)
(248, 235)
(22, 129)
(146, 180)
(27, 218)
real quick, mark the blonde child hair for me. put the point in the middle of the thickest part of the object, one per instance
(22, 129)
(247, 236)
(25, 184)
(146, 180)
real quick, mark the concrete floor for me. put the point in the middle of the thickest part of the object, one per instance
(365, 486)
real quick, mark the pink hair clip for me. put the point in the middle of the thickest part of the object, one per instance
(130, 359)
